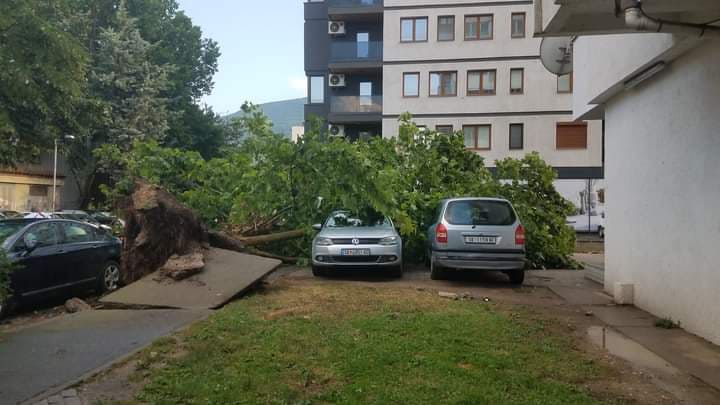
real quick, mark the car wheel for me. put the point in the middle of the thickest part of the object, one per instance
(517, 277)
(396, 272)
(5, 308)
(319, 271)
(436, 271)
(601, 232)
(110, 277)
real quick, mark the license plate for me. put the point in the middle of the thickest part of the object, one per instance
(355, 252)
(481, 240)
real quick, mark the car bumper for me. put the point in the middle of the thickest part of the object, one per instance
(480, 261)
(380, 256)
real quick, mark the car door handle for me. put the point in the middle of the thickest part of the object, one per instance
(61, 251)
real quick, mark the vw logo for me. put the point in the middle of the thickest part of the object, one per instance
(356, 241)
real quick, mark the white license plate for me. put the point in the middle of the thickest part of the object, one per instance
(355, 252)
(481, 240)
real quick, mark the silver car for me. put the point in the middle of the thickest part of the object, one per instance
(476, 234)
(348, 241)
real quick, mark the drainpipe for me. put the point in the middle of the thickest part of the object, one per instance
(636, 18)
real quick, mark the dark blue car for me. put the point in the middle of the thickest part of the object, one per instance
(55, 258)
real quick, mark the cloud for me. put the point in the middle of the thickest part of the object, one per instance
(298, 84)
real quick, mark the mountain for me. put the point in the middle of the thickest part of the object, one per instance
(283, 114)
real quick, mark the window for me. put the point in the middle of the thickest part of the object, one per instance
(480, 212)
(445, 129)
(571, 135)
(317, 89)
(478, 27)
(477, 137)
(565, 83)
(366, 93)
(446, 28)
(76, 233)
(517, 135)
(43, 234)
(481, 82)
(443, 84)
(517, 81)
(517, 22)
(363, 45)
(414, 29)
(411, 84)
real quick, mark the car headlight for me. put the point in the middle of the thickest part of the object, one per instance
(389, 241)
(323, 242)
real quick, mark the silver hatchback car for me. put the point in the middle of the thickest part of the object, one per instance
(347, 241)
(476, 234)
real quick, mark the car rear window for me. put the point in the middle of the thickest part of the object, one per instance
(479, 212)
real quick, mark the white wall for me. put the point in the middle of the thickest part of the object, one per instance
(622, 55)
(663, 195)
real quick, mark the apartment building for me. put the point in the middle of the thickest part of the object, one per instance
(456, 65)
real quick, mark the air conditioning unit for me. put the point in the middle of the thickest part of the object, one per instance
(336, 28)
(336, 130)
(337, 80)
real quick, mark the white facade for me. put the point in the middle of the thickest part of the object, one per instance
(539, 108)
(662, 165)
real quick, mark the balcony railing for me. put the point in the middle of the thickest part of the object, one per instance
(347, 51)
(354, 3)
(356, 104)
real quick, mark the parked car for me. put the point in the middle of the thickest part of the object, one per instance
(81, 216)
(585, 223)
(106, 218)
(58, 257)
(476, 234)
(348, 241)
(7, 214)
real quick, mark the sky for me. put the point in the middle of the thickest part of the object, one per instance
(262, 49)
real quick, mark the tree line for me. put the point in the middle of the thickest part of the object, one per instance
(108, 72)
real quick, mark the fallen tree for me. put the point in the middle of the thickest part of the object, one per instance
(162, 233)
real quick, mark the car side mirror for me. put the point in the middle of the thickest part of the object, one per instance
(30, 244)
(317, 227)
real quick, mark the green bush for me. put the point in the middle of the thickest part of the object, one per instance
(5, 269)
(404, 178)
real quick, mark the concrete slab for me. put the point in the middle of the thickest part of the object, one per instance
(226, 275)
(36, 359)
(687, 352)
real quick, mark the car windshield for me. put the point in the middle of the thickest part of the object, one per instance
(7, 229)
(480, 212)
(345, 219)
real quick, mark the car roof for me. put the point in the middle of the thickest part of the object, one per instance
(475, 199)
(25, 221)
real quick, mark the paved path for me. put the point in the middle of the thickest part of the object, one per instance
(48, 355)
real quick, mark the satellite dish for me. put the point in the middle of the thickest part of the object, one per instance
(556, 54)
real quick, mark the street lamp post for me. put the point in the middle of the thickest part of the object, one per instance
(54, 191)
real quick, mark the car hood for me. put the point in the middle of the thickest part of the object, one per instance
(358, 232)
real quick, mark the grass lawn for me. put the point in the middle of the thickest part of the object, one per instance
(330, 343)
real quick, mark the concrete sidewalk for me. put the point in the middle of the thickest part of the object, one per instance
(49, 355)
(684, 351)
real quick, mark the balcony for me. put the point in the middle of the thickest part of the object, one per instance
(355, 109)
(347, 56)
(355, 9)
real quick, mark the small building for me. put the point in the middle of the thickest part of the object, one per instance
(28, 187)
(651, 70)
